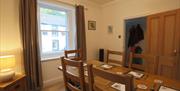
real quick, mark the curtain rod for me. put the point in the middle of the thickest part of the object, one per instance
(74, 5)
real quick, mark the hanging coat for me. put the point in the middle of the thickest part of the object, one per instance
(139, 33)
(135, 35)
(131, 40)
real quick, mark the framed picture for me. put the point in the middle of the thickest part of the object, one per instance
(91, 25)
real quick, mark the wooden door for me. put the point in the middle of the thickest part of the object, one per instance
(163, 40)
(153, 30)
(178, 50)
(168, 44)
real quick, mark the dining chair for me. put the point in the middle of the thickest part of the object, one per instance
(73, 54)
(93, 72)
(149, 62)
(115, 57)
(73, 82)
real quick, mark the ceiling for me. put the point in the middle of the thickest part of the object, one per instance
(102, 1)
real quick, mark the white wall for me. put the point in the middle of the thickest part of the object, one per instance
(116, 12)
(10, 42)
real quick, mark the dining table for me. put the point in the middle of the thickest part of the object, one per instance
(148, 82)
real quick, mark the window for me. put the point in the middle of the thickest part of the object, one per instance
(56, 29)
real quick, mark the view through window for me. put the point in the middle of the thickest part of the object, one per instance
(55, 31)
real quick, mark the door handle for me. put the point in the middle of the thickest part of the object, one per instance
(175, 52)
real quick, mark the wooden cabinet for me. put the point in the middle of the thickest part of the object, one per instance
(16, 84)
(163, 40)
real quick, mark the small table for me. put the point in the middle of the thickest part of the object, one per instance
(16, 84)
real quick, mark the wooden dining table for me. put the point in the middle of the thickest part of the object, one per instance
(151, 81)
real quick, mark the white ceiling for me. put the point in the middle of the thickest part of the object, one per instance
(102, 1)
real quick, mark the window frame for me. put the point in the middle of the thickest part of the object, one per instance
(70, 21)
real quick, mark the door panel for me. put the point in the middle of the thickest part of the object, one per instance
(169, 34)
(178, 48)
(163, 37)
(169, 41)
(154, 28)
(168, 66)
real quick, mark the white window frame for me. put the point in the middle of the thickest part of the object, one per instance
(71, 29)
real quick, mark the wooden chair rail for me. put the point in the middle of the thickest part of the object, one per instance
(124, 79)
(110, 60)
(77, 56)
(149, 64)
(72, 78)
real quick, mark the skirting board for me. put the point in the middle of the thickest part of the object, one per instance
(52, 81)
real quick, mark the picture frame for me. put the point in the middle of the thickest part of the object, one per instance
(91, 25)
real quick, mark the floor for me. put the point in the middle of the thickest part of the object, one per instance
(56, 87)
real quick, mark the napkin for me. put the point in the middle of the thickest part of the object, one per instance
(119, 86)
(136, 74)
(164, 88)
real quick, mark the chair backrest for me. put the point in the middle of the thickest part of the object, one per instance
(77, 54)
(127, 80)
(69, 77)
(113, 60)
(149, 62)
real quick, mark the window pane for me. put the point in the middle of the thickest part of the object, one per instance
(51, 19)
(53, 41)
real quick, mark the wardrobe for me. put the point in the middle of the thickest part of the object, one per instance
(163, 40)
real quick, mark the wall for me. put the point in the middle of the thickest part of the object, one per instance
(10, 42)
(116, 12)
(51, 75)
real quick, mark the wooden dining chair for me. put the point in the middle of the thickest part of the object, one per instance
(127, 80)
(110, 59)
(149, 62)
(73, 82)
(73, 54)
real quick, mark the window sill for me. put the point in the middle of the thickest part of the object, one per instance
(50, 59)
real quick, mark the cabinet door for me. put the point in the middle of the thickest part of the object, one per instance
(153, 30)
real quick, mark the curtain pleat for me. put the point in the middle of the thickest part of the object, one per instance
(81, 33)
(29, 34)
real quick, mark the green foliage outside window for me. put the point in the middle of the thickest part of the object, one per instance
(52, 12)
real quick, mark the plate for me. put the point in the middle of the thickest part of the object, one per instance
(158, 81)
(106, 66)
(119, 73)
(142, 86)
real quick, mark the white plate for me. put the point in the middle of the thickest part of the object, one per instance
(142, 86)
(158, 81)
(84, 64)
(119, 73)
(106, 66)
